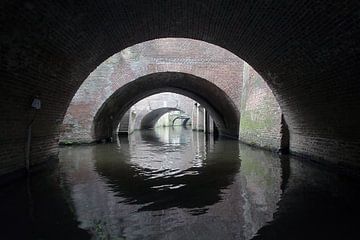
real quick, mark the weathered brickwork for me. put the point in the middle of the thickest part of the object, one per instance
(177, 55)
(219, 105)
(307, 52)
(260, 121)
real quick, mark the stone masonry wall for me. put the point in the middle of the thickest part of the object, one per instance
(260, 121)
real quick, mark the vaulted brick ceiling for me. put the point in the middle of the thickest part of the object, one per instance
(307, 51)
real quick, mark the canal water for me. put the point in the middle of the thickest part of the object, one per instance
(173, 183)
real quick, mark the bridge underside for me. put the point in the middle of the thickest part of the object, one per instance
(307, 52)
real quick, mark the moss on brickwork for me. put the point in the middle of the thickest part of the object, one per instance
(260, 113)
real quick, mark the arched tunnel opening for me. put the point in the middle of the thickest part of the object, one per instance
(217, 103)
(152, 118)
(151, 112)
(149, 120)
(71, 72)
(184, 120)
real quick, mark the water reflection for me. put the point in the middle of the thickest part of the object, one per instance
(172, 174)
(172, 184)
(177, 184)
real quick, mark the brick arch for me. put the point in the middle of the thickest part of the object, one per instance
(133, 117)
(199, 58)
(307, 51)
(150, 119)
(221, 108)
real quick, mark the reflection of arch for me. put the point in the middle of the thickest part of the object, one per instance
(159, 136)
(150, 119)
(202, 189)
(216, 101)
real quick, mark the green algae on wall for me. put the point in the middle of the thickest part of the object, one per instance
(260, 113)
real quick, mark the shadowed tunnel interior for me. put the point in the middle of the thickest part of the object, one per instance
(306, 51)
(219, 105)
(308, 57)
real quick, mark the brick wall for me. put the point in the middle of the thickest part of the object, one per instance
(260, 121)
(309, 57)
(212, 63)
(215, 100)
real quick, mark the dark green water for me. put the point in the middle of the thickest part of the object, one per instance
(176, 184)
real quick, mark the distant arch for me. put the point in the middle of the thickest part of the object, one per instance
(216, 101)
(150, 119)
(185, 120)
